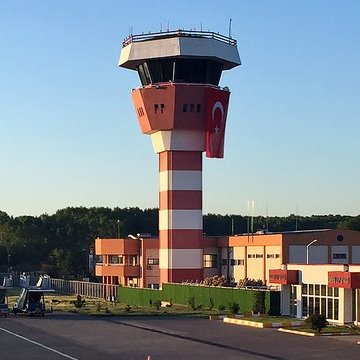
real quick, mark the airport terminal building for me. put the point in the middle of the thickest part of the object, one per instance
(317, 271)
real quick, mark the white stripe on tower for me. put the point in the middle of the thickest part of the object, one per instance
(180, 215)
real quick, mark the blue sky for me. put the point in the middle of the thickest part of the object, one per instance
(69, 135)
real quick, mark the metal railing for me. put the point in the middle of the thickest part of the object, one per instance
(180, 33)
(84, 288)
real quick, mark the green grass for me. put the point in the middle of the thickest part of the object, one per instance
(330, 330)
(273, 319)
(99, 307)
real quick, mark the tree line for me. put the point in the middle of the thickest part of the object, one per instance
(59, 244)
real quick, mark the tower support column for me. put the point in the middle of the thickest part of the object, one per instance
(180, 216)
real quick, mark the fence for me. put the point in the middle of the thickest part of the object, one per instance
(83, 288)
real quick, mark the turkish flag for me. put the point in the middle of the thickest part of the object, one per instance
(217, 102)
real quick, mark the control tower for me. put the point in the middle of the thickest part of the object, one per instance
(183, 109)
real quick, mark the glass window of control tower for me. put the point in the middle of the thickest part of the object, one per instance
(180, 70)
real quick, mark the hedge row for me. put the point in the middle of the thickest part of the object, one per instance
(139, 296)
(206, 296)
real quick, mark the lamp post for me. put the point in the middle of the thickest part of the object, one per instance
(118, 229)
(307, 250)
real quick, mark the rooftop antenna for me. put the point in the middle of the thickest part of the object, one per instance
(266, 218)
(161, 27)
(168, 26)
(248, 218)
(200, 25)
(230, 21)
(252, 215)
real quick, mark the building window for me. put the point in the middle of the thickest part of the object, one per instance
(140, 111)
(224, 262)
(320, 299)
(337, 256)
(255, 256)
(113, 259)
(198, 107)
(210, 261)
(153, 286)
(152, 261)
(133, 260)
(99, 259)
(272, 256)
(184, 107)
(235, 262)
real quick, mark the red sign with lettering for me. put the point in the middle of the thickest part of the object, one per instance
(344, 279)
(217, 102)
(284, 277)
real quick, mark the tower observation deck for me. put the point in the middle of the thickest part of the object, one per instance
(182, 107)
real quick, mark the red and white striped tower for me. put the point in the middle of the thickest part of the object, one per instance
(182, 108)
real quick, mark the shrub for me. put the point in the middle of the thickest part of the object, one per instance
(317, 322)
(98, 307)
(192, 303)
(127, 308)
(211, 303)
(215, 281)
(157, 304)
(221, 307)
(234, 307)
(79, 302)
(249, 282)
(259, 302)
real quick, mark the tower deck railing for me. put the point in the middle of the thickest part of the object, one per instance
(170, 83)
(179, 33)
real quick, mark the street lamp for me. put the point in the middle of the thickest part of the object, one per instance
(307, 250)
(118, 229)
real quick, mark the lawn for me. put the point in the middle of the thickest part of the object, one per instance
(272, 319)
(100, 307)
(331, 330)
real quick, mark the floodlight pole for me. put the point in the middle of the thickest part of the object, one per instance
(307, 250)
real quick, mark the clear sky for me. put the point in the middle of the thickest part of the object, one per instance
(69, 135)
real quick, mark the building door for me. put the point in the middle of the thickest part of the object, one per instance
(293, 301)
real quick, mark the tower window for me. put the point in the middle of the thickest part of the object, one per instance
(198, 107)
(184, 107)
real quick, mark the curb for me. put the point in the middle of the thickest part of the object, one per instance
(221, 317)
(216, 317)
(296, 332)
(262, 324)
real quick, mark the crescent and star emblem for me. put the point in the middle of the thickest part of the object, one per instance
(217, 124)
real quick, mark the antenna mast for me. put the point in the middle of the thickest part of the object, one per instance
(230, 21)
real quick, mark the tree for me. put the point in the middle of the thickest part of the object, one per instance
(317, 322)
(8, 240)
